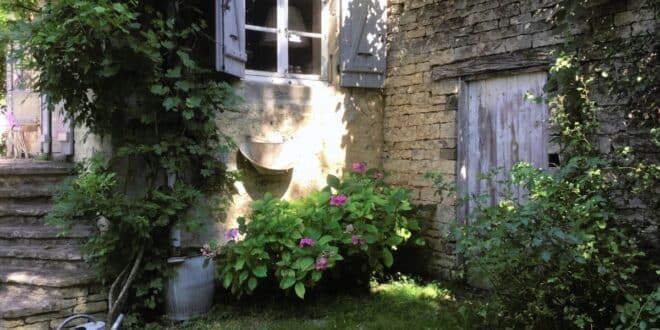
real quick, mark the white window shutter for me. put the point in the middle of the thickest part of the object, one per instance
(363, 38)
(230, 56)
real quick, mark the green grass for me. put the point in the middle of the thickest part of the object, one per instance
(402, 304)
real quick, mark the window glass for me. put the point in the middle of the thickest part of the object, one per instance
(261, 48)
(261, 13)
(305, 15)
(304, 55)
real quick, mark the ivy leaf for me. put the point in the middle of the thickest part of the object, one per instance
(159, 90)
(171, 102)
(388, 260)
(300, 290)
(193, 102)
(183, 85)
(185, 58)
(545, 255)
(174, 73)
(260, 271)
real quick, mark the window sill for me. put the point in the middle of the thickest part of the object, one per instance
(297, 80)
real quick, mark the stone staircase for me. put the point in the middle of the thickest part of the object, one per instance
(43, 278)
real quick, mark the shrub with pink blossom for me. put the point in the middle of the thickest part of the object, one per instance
(295, 242)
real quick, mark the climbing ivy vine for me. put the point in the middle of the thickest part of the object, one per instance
(140, 73)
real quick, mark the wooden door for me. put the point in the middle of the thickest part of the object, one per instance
(499, 127)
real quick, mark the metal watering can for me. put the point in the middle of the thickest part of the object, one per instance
(92, 323)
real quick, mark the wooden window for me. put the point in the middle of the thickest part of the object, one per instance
(285, 38)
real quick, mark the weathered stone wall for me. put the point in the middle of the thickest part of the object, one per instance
(434, 43)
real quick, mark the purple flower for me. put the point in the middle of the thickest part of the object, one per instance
(359, 167)
(305, 241)
(379, 175)
(338, 199)
(357, 240)
(323, 261)
(231, 234)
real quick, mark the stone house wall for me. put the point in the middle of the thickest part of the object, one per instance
(432, 46)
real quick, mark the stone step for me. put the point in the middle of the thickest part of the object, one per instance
(72, 265)
(13, 220)
(27, 191)
(40, 231)
(17, 167)
(61, 252)
(48, 277)
(24, 208)
(26, 304)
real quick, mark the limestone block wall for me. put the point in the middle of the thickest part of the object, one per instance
(432, 46)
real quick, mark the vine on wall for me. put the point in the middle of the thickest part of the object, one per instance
(139, 72)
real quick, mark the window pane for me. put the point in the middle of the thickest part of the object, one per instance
(305, 15)
(304, 55)
(261, 48)
(261, 13)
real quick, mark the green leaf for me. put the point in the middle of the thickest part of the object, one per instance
(159, 89)
(193, 102)
(388, 260)
(243, 277)
(171, 102)
(394, 240)
(325, 240)
(183, 85)
(174, 73)
(300, 290)
(333, 181)
(227, 280)
(239, 264)
(260, 271)
(545, 255)
(252, 283)
(287, 282)
(185, 59)
(303, 263)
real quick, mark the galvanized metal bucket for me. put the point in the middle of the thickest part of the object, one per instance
(190, 292)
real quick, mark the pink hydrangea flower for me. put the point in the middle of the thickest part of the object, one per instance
(321, 264)
(359, 167)
(306, 241)
(231, 234)
(338, 199)
(357, 240)
(379, 175)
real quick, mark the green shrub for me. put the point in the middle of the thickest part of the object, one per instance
(555, 258)
(131, 223)
(361, 218)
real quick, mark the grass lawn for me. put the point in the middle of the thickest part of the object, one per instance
(402, 304)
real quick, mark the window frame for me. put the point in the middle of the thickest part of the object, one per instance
(282, 33)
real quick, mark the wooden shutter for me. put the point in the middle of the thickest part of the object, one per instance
(363, 36)
(230, 56)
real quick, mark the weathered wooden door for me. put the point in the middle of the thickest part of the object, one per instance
(498, 127)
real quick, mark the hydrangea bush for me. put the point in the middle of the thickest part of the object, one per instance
(297, 242)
